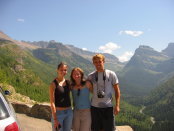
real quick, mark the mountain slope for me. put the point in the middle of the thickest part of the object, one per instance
(160, 100)
(27, 74)
(147, 58)
(19, 43)
(57, 52)
(139, 76)
(111, 62)
(160, 104)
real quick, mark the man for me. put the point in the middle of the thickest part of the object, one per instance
(104, 82)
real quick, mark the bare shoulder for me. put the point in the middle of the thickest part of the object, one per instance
(52, 85)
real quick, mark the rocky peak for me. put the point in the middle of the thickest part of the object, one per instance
(22, 44)
(147, 57)
(169, 51)
(146, 51)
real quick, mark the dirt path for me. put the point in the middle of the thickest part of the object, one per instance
(33, 124)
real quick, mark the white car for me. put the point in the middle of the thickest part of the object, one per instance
(8, 120)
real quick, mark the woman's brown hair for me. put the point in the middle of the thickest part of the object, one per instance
(61, 64)
(73, 83)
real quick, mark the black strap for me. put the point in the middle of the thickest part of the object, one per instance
(55, 82)
(96, 76)
(67, 82)
(104, 78)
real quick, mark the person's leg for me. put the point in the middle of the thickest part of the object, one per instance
(96, 119)
(67, 123)
(52, 123)
(76, 120)
(60, 115)
(108, 123)
(85, 124)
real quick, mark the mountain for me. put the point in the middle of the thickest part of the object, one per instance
(56, 52)
(28, 75)
(40, 59)
(140, 74)
(30, 68)
(167, 68)
(160, 104)
(111, 62)
(169, 51)
(41, 44)
(19, 43)
(146, 57)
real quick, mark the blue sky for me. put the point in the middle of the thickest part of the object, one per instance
(114, 26)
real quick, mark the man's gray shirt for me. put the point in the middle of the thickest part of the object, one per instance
(106, 85)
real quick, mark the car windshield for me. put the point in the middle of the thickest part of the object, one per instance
(3, 110)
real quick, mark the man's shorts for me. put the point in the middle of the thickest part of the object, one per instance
(102, 119)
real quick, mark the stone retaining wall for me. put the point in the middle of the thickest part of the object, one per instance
(37, 110)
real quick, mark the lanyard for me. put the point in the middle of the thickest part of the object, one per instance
(96, 79)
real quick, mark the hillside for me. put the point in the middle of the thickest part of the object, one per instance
(22, 44)
(30, 70)
(56, 52)
(140, 75)
(160, 104)
(27, 74)
(111, 62)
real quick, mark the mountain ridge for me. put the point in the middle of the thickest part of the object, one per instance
(20, 43)
(169, 50)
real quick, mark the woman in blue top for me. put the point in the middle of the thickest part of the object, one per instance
(81, 102)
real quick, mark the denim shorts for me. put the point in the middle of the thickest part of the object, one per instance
(65, 118)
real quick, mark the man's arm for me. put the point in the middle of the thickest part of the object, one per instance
(117, 99)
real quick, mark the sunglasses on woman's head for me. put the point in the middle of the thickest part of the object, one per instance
(78, 92)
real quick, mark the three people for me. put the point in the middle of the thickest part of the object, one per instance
(60, 101)
(102, 83)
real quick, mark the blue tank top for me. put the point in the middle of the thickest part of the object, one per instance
(81, 101)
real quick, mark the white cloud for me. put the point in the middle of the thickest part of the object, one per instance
(84, 49)
(132, 33)
(20, 20)
(109, 47)
(126, 56)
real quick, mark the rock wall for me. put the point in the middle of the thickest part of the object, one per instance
(37, 110)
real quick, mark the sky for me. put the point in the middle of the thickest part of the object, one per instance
(117, 27)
